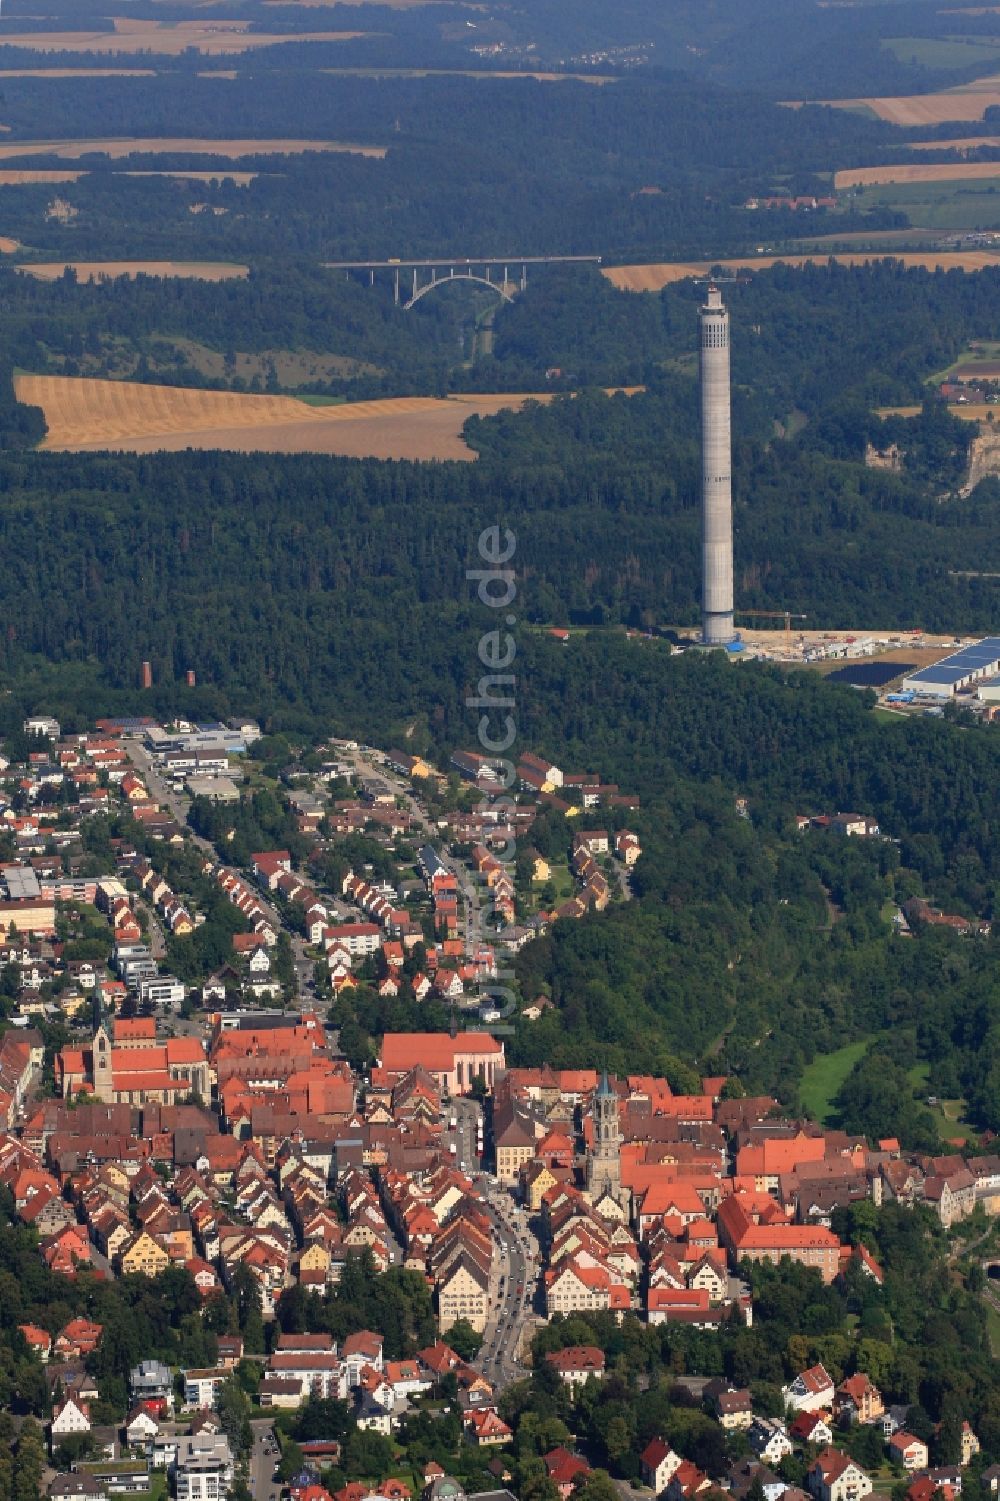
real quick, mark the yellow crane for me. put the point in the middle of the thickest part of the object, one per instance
(786, 615)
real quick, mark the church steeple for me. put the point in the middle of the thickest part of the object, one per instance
(604, 1159)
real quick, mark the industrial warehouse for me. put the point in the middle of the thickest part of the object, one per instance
(957, 672)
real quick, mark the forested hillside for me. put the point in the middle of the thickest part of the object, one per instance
(651, 165)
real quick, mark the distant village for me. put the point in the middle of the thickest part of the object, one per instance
(217, 1128)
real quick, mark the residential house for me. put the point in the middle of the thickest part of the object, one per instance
(834, 1476)
(907, 1450)
(810, 1391)
(577, 1364)
(68, 1417)
(564, 1470)
(768, 1438)
(659, 1463)
(858, 1400)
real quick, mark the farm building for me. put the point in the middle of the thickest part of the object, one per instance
(958, 671)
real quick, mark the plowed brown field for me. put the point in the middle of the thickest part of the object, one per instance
(103, 414)
(653, 278)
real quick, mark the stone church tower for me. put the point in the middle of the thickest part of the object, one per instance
(103, 1079)
(604, 1159)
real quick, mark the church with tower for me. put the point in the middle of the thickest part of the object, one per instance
(604, 1156)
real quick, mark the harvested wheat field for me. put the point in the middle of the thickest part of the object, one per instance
(654, 277)
(240, 179)
(964, 143)
(77, 72)
(117, 149)
(87, 415)
(595, 78)
(865, 177)
(17, 177)
(99, 270)
(970, 411)
(215, 38)
(967, 103)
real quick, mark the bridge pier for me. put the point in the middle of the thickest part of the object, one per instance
(414, 281)
(524, 277)
(395, 286)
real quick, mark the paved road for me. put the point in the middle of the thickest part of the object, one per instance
(262, 1462)
(177, 802)
(156, 935)
(468, 1115)
(516, 1263)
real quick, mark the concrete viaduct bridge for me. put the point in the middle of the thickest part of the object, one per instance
(489, 271)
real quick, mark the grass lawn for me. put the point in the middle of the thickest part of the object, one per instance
(562, 879)
(322, 401)
(987, 350)
(942, 52)
(824, 1076)
(947, 1113)
(970, 203)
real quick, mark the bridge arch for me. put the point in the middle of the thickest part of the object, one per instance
(500, 288)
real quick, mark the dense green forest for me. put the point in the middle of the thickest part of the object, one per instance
(827, 342)
(505, 167)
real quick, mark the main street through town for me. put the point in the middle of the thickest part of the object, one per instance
(514, 1277)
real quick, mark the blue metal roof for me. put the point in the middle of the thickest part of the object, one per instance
(974, 658)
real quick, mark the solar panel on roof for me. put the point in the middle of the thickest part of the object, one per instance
(961, 663)
(940, 673)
